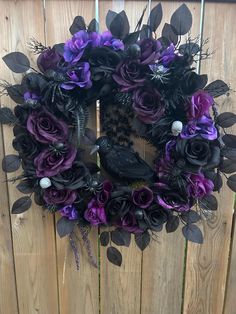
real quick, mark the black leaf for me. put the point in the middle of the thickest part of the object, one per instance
(114, 256)
(77, 25)
(217, 181)
(229, 140)
(25, 187)
(142, 240)
(155, 17)
(7, 116)
(193, 233)
(169, 34)
(110, 17)
(104, 238)
(121, 237)
(38, 199)
(59, 48)
(89, 137)
(131, 38)
(21, 205)
(189, 48)
(226, 119)
(92, 167)
(145, 32)
(217, 88)
(209, 202)
(120, 25)
(16, 92)
(140, 21)
(228, 166)
(65, 226)
(10, 163)
(181, 20)
(231, 182)
(172, 223)
(93, 26)
(190, 217)
(229, 153)
(17, 62)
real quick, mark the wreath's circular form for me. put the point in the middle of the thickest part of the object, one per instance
(146, 88)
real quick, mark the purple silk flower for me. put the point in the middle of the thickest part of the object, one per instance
(69, 211)
(78, 77)
(203, 127)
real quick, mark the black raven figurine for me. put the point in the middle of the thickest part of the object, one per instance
(122, 162)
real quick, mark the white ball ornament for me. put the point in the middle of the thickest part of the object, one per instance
(176, 128)
(45, 183)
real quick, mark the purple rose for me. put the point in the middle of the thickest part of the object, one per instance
(108, 40)
(50, 161)
(46, 128)
(103, 196)
(48, 59)
(199, 186)
(79, 77)
(150, 50)
(171, 199)
(70, 212)
(129, 75)
(168, 55)
(95, 213)
(54, 196)
(147, 105)
(74, 47)
(129, 223)
(203, 127)
(200, 104)
(142, 197)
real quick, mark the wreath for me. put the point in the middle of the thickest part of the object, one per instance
(146, 88)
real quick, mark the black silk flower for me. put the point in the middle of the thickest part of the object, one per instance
(71, 179)
(153, 218)
(118, 206)
(198, 153)
(26, 146)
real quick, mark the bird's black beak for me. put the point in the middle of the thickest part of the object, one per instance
(94, 149)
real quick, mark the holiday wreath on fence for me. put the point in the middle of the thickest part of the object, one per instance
(147, 87)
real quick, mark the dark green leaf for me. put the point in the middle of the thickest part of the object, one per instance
(110, 17)
(181, 20)
(25, 187)
(190, 217)
(231, 182)
(193, 233)
(104, 238)
(7, 116)
(21, 205)
(169, 34)
(172, 224)
(229, 140)
(229, 153)
(93, 26)
(17, 62)
(217, 88)
(120, 25)
(114, 256)
(10, 163)
(228, 166)
(65, 226)
(77, 25)
(226, 119)
(121, 237)
(209, 202)
(142, 240)
(155, 17)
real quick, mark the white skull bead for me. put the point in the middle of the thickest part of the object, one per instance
(176, 128)
(45, 183)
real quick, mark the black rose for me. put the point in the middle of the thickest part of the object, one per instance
(118, 205)
(153, 218)
(26, 146)
(71, 179)
(198, 153)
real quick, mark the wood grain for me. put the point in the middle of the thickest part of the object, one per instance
(163, 260)
(207, 264)
(33, 231)
(78, 290)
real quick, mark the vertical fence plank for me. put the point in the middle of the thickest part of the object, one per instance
(78, 290)
(120, 287)
(206, 267)
(33, 232)
(163, 260)
(8, 295)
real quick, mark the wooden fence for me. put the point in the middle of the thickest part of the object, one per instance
(37, 269)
